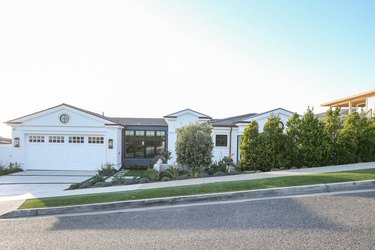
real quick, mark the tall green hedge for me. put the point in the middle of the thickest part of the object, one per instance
(309, 141)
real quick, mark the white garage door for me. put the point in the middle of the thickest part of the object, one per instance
(65, 152)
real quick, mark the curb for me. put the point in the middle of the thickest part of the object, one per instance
(251, 194)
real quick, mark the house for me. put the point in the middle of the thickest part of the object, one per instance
(5, 141)
(65, 137)
(362, 103)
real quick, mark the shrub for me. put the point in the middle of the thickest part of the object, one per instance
(250, 147)
(220, 174)
(312, 141)
(75, 186)
(144, 180)
(152, 174)
(107, 169)
(333, 126)
(166, 178)
(194, 147)
(118, 179)
(13, 167)
(129, 181)
(103, 184)
(85, 185)
(272, 141)
(183, 177)
(172, 172)
(96, 178)
(164, 155)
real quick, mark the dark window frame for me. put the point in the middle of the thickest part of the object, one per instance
(134, 142)
(220, 142)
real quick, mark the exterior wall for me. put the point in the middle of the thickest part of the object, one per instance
(371, 104)
(261, 120)
(79, 124)
(6, 154)
(219, 152)
(179, 122)
(141, 161)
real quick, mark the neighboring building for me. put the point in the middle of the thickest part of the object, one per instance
(66, 137)
(362, 102)
(5, 141)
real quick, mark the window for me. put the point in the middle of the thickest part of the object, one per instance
(221, 140)
(144, 143)
(96, 139)
(76, 139)
(36, 138)
(56, 139)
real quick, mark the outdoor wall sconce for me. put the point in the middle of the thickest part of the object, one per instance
(16, 142)
(110, 143)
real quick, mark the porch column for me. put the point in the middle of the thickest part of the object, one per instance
(350, 107)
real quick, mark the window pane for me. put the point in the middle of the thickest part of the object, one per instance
(221, 140)
(150, 133)
(139, 149)
(129, 149)
(160, 146)
(129, 132)
(139, 133)
(150, 148)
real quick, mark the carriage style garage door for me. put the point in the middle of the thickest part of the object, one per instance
(65, 152)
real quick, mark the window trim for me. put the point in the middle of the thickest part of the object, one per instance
(226, 141)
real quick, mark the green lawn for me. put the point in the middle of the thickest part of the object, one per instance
(368, 174)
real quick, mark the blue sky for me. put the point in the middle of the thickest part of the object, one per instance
(331, 41)
(151, 58)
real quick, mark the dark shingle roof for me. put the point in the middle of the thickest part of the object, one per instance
(5, 140)
(139, 121)
(230, 121)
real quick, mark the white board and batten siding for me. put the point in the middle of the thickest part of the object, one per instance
(79, 144)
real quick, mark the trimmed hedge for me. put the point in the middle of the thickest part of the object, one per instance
(308, 142)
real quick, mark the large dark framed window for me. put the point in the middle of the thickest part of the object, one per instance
(221, 141)
(144, 143)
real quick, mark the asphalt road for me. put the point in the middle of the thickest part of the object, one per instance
(345, 221)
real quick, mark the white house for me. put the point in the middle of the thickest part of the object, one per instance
(65, 137)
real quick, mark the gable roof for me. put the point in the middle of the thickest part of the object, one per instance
(230, 121)
(263, 113)
(139, 121)
(15, 121)
(175, 114)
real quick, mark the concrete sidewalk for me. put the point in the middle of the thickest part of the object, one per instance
(11, 202)
(273, 174)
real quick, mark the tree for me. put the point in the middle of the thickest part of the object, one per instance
(194, 147)
(292, 146)
(273, 145)
(357, 139)
(249, 147)
(312, 141)
(333, 126)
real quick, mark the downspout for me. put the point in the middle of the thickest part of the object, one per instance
(230, 142)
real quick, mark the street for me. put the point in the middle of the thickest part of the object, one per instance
(343, 221)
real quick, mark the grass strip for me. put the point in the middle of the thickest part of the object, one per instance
(308, 179)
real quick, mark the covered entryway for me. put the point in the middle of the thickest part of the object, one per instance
(64, 152)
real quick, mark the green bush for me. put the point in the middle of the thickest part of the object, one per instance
(194, 147)
(107, 169)
(250, 147)
(75, 186)
(173, 172)
(13, 167)
(118, 179)
(152, 174)
(166, 178)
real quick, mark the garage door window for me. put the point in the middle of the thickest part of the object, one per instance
(56, 139)
(96, 139)
(76, 139)
(36, 138)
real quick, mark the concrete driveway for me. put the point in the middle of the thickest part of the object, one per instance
(17, 187)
